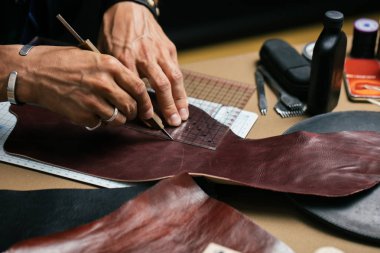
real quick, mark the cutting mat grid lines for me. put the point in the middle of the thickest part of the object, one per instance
(218, 90)
(200, 132)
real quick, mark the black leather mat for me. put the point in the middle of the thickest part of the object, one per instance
(26, 214)
(357, 215)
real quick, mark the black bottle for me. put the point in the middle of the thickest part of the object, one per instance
(327, 65)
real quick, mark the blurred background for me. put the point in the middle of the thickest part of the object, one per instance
(199, 22)
(214, 28)
(209, 29)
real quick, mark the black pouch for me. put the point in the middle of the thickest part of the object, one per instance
(287, 66)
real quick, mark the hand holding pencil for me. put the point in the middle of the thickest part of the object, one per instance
(153, 121)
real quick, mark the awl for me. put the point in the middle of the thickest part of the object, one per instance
(156, 123)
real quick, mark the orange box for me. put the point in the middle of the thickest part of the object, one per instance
(362, 78)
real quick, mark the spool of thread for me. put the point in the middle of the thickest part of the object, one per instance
(365, 35)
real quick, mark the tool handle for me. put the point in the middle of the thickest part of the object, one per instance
(155, 122)
(260, 83)
(271, 81)
(87, 44)
(261, 92)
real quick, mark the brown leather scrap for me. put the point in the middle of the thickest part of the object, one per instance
(330, 164)
(173, 216)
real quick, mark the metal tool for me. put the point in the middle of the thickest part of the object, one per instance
(285, 112)
(261, 92)
(290, 101)
(155, 122)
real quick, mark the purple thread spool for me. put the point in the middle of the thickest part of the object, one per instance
(364, 42)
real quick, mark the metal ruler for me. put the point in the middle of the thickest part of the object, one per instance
(230, 114)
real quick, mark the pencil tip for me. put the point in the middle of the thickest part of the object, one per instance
(167, 134)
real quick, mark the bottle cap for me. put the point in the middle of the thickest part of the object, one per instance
(333, 19)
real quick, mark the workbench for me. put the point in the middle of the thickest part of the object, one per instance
(272, 211)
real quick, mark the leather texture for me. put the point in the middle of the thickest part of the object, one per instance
(175, 215)
(308, 163)
(356, 215)
(27, 214)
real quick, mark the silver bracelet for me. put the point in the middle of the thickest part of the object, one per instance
(25, 49)
(11, 88)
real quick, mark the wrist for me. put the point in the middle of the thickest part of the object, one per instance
(151, 5)
(15, 62)
(10, 62)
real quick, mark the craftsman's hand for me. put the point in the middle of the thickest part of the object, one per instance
(81, 85)
(131, 34)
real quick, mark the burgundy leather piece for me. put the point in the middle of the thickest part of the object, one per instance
(173, 216)
(358, 215)
(331, 164)
(198, 130)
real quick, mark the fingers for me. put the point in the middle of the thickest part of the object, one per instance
(127, 59)
(136, 88)
(162, 86)
(167, 80)
(92, 112)
(110, 115)
(175, 77)
(114, 118)
(118, 87)
(86, 87)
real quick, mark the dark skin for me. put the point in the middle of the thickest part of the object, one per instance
(85, 86)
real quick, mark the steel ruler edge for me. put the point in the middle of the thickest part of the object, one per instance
(241, 126)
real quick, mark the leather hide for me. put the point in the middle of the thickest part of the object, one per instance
(358, 215)
(175, 215)
(331, 164)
